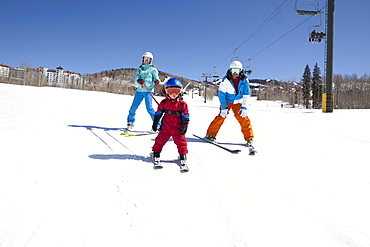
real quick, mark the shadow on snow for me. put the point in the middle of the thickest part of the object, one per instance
(121, 157)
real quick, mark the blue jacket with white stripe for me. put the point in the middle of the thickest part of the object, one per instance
(228, 94)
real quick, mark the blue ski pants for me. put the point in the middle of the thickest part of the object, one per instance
(138, 98)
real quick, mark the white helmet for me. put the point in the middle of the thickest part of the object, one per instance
(236, 65)
(147, 54)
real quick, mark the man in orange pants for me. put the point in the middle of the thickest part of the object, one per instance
(233, 93)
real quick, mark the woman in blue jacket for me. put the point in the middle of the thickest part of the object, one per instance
(145, 79)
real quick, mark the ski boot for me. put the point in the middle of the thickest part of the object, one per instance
(183, 166)
(252, 150)
(156, 160)
(129, 126)
(211, 138)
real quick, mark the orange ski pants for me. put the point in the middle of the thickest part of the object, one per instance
(245, 123)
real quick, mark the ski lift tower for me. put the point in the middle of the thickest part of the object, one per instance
(205, 77)
(310, 7)
(328, 97)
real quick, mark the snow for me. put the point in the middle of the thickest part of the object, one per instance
(68, 178)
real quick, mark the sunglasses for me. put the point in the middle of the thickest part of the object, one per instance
(235, 70)
(173, 90)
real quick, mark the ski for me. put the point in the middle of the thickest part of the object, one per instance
(137, 133)
(251, 149)
(158, 166)
(218, 145)
(184, 168)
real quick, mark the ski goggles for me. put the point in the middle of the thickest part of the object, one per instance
(147, 59)
(235, 70)
(173, 90)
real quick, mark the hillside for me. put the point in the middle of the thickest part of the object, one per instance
(121, 81)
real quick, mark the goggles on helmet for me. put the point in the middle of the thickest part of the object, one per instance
(235, 70)
(173, 90)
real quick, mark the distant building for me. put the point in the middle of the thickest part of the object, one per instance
(17, 76)
(42, 76)
(50, 77)
(61, 78)
(4, 70)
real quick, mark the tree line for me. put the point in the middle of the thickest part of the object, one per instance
(118, 81)
(350, 91)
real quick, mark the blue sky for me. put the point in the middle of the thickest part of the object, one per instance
(188, 38)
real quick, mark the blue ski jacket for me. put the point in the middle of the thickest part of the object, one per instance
(228, 94)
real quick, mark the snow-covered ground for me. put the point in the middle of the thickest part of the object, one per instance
(68, 178)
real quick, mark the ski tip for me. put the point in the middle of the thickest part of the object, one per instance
(184, 170)
(127, 133)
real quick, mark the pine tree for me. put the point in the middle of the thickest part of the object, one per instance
(306, 87)
(317, 88)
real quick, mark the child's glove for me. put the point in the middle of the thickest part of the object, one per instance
(155, 122)
(184, 127)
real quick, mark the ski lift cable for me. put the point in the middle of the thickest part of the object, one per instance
(282, 36)
(275, 13)
(272, 16)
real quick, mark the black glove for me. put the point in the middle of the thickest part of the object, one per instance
(155, 122)
(140, 81)
(184, 127)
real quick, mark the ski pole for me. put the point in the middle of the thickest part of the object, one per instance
(151, 94)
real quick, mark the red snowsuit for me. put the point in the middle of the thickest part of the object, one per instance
(175, 112)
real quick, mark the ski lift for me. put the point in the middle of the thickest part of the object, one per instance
(307, 7)
(248, 70)
(215, 77)
(316, 34)
(235, 58)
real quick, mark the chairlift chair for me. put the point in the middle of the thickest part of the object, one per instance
(248, 70)
(215, 77)
(235, 59)
(307, 7)
(316, 34)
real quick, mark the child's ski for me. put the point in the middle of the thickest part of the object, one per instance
(218, 145)
(184, 168)
(137, 133)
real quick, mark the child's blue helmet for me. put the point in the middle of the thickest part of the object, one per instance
(173, 82)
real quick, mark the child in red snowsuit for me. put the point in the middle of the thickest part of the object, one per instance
(174, 113)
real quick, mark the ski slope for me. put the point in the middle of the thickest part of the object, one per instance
(68, 178)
